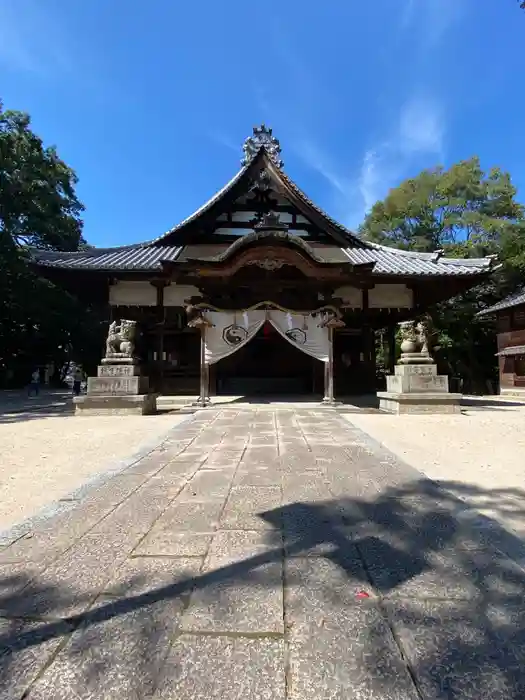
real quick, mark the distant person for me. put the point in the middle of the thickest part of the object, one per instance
(77, 381)
(34, 385)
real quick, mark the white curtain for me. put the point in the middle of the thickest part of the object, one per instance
(230, 331)
(303, 332)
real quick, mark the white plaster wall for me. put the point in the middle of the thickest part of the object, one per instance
(243, 215)
(351, 296)
(175, 294)
(132, 293)
(390, 296)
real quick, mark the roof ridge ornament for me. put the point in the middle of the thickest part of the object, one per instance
(270, 221)
(262, 137)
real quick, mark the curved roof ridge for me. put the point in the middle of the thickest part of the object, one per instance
(400, 251)
(434, 256)
(361, 242)
(203, 208)
(43, 254)
(256, 236)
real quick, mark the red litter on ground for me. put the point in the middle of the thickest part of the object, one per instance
(362, 594)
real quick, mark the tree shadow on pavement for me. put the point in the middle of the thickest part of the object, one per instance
(18, 413)
(442, 580)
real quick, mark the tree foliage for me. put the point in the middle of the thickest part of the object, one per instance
(39, 208)
(38, 204)
(442, 207)
(465, 212)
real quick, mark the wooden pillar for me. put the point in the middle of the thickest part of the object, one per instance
(391, 341)
(329, 370)
(198, 320)
(204, 397)
(160, 318)
(330, 325)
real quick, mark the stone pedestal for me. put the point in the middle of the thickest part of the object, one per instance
(417, 388)
(118, 389)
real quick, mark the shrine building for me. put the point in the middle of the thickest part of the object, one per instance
(290, 299)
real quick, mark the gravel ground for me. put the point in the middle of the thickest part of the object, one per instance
(43, 459)
(479, 455)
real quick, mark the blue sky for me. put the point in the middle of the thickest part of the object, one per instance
(150, 102)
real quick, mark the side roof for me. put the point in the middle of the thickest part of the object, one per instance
(516, 299)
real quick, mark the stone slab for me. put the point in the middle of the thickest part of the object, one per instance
(246, 505)
(222, 668)
(348, 653)
(160, 577)
(206, 485)
(462, 649)
(239, 545)
(164, 542)
(141, 405)
(25, 650)
(117, 653)
(191, 517)
(417, 573)
(258, 477)
(238, 597)
(318, 588)
(67, 586)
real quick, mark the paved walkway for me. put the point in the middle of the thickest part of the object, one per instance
(264, 554)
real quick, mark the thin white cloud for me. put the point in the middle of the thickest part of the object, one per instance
(319, 161)
(224, 140)
(429, 20)
(421, 126)
(416, 141)
(370, 180)
(30, 39)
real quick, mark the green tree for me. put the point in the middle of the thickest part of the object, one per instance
(466, 212)
(440, 208)
(38, 204)
(38, 208)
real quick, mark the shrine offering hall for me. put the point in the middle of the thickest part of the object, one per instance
(260, 289)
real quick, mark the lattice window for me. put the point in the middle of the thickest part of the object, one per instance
(504, 323)
(519, 319)
(519, 366)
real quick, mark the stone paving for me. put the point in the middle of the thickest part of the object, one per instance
(265, 554)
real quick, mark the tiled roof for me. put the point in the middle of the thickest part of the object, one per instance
(149, 255)
(355, 240)
(515, 299)
(511, 350)
(392, 261)
(388, 261)
(127, 258)
(204, 208)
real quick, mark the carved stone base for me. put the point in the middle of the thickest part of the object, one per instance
(411, 378)
(425, 402)
(330, 402)
(202, 402)
(516, 392)
(119, 360)
(115, 405)
(117, 386)
(418, 388)
(415, 358)
(118, 389)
